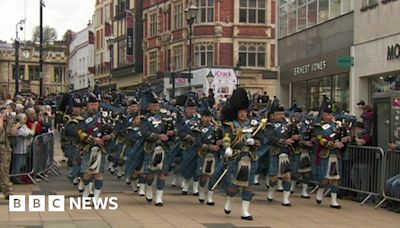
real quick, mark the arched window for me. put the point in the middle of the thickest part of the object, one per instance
(204, 54)
(252, 55)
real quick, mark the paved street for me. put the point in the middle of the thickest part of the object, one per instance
(185, 211)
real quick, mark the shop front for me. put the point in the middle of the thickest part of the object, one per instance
(317, 62)
(223, 83)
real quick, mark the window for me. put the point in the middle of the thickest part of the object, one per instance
(153, 24)
(206, 10)
(34, 73)
(335, 8)
(302, 15)
(323, 10)
(252, 11)
(312, 13)
(204, 55)
(178, 16)
(366, 3)
(153, 63)
(292, 16)
(21, 73)
(283, 12)
(58, 73)
(177, 57)
(252, 55)
(122, 53)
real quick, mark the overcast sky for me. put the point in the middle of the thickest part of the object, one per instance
(60, 14)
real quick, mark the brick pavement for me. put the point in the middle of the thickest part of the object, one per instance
(185, 211)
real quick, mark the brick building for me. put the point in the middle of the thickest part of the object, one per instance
(127, 34)
(225, 33)
(102, 21)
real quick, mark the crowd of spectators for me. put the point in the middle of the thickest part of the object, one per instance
(25, 118)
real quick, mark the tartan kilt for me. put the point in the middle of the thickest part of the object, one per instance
(85, 162)
(189, 161)
(148, 158)
(173, 155)
(134, 157)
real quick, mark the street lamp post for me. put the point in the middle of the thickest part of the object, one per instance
(110, 43)
(210, 78)
(18, 26)
(238, 71)
(191, 14)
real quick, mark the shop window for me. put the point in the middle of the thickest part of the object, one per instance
(21, 73)
(153, 63)
(252, 11)
(204, 55)
(340, 92)
(299, 94)
(206, 11)
(177, 57)
(323, 10)
(252, 55)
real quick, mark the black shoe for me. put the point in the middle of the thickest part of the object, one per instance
(305, 197)
(279, 190)
(184, 192)
(91, 195)
(336, 206)
(119, 177)
(287, 204)
(257, 183)
(247, 218)
(149, 200)
(141, 194)
(291, 192)
(210, 203)
(128, 183)
(201, 201)
(269, 200)
(318, 201)
(227, 212)
(81, 190)
(196, 194)
(159, 204)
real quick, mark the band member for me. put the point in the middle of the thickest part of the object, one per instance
(279, 164)
(156, 134)
(94, 135)
(72, 144)
(209, 154)
(240, 146)
(329, 144)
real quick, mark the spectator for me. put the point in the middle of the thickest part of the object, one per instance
(31, 114)
(367, 116)
(23, 140)
(45, 118)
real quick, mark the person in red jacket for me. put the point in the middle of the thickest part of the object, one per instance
(31, 113)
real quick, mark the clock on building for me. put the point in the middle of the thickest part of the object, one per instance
(26, 54)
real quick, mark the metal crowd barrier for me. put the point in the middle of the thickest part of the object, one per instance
(361, 171)
(40, 158)
(391, 170)
(43, 151)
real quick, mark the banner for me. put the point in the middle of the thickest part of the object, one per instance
(130, 39)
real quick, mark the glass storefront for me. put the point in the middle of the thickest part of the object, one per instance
(309, 94)
(384, 83)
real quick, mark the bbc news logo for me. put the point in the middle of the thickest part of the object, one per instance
(56, 203)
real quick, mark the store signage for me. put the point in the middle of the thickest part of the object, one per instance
(130, 40)
(318, 66)
(393, 52)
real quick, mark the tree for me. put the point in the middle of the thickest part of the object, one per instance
(49, 34)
